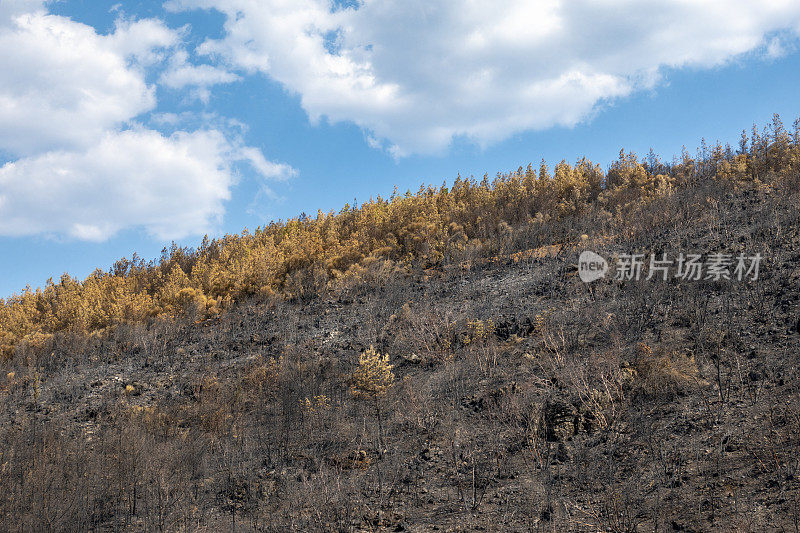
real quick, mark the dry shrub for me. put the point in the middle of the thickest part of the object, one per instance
(425, 330)
(10, 381)
(214, 407)
(262, 376)
(6, 349)
(478, 330)
(671, 374)
(598, 381)
(317, 404)
(371, 271)
(355, 460)
(33, 348)
(153, 419)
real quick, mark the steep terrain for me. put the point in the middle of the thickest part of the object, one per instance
(522, 398)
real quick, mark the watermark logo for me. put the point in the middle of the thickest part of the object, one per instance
(591, 267)
(685, 267)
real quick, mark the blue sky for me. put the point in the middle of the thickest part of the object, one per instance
(124, 126)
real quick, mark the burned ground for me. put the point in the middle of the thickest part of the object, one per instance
(523, 399)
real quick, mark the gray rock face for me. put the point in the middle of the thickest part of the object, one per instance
(560, 420)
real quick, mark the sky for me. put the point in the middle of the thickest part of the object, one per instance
(125, 126)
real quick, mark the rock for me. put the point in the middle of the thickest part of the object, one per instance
(560, 420)
(507, 327)
(414, 359)
(561, 456)
(475, 403)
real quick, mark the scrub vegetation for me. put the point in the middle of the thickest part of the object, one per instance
(429, 361)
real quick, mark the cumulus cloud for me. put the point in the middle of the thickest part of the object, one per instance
(70, 85)
(11, 8)
(417, 73)
(77, 162)
(144, 40)
(171, 186)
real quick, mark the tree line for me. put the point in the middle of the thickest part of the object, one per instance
(308, 255)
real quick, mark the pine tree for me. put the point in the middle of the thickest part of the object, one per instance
(371, 379)
(544, 173)
(743, 140)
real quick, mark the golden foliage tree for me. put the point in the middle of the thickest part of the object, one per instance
(304, 256)
(372, 378)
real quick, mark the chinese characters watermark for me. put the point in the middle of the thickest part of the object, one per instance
(684, 267)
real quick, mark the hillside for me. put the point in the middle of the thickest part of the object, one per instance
(239, 387)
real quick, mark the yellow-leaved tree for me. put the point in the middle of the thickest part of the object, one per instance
(371, 379)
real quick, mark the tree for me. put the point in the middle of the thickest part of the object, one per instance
(743, 140)
(371, 379)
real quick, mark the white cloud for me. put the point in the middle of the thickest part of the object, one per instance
(780, 45)
(70, 85)
(171, 186)
(144, 40)
(81, 166)
(419, 72)
(181, 73)
(268, 169)
(12, 8)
